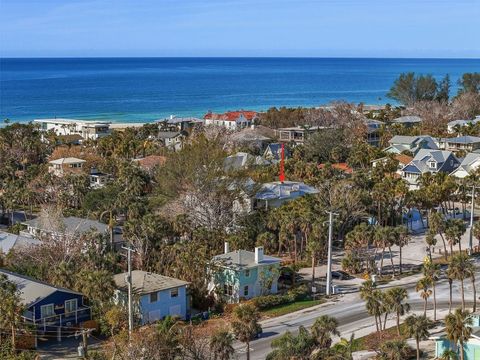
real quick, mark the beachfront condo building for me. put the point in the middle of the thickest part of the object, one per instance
(87, 129)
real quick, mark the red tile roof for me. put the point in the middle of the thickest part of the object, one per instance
(231, 115)
(149, 162)
(339, 166)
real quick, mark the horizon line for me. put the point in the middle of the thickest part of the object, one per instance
(240, 57)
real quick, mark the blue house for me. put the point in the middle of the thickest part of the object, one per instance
(48, 307)
(155, 296)
(471, 348)
(242, 274)
(432, 161)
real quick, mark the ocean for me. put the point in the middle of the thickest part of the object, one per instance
(146, 89)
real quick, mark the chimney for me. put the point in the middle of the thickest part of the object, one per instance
(258, 254)
(227, 248)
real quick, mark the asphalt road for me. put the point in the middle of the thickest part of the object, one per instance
(350, 312)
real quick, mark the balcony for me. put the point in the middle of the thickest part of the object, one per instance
(68, 320)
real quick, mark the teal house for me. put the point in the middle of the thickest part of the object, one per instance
(242, 274)
(471, 349)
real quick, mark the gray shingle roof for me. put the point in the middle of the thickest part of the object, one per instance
(145, 282)
(439, 156)
(243, 259)
(407, 119)
(285, 190)
(10, 241)
(71, 224)
(31, 290)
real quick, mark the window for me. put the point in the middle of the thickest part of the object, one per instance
(174, 293)
(47, 310)
(432, 164)
(247, 273)
(228, 290)
(245, 290)
(153, 297)
(70, 306)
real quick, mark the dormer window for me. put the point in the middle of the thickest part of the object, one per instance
(432, 164)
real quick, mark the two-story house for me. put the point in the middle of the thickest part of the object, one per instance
(297, 134)
(426, 160)
(49, 308)
(63, 166)
(460, 143)
(87, 129)
(243, 274)
(469, 164)
(155, 296)
(231, 120)
(411, 144)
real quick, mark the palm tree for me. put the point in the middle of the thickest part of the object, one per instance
(289, 346)
(323, 329)
(221, 345)
(449, 354)
(393, 350)
(402, 238)
(245, 324)
(458, 327)
(417, 327)
(470, 269)
(423, 286)
(396, 299)
(436, 223)
(455, 228)
(458, 270)
(431, 271)
(369, 294)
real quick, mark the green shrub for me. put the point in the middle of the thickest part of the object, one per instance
(269, 301)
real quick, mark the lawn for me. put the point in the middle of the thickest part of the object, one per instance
(291, 307)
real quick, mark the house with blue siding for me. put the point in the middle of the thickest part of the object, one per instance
(429, 161)
(155, 296)
(471, 348)
(48, 307)
(242, 274)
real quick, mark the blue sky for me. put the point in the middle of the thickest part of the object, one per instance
(364, 28)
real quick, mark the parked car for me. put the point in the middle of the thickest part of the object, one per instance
(341, 275)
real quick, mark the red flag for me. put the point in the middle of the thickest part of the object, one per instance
(282, 168)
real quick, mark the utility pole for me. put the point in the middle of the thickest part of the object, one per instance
(83, 348)
(472, 210)
(329, 261)
(129, 284)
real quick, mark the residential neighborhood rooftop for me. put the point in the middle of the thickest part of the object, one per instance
(244, 259)
(71, 225)
(68, 160)
(31, 290)
(146, 282)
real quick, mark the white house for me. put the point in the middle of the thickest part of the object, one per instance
(412, 144)
(87, 129)
(62, 166)
(231, 120)
(469, 164)
(275, 194)
(452, 126)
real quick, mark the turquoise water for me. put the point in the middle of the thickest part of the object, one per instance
(145, 89)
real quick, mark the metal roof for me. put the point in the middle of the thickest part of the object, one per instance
(68, 160)
(31, 290)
